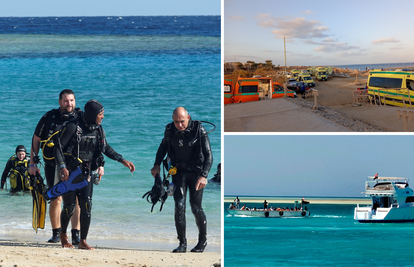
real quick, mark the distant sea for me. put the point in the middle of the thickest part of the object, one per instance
(329, 237)
(140, 69)
(363, 67)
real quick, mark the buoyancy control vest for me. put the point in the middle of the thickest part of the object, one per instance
(19, 173)
(55, 120)
(87, 145)
(185, 148)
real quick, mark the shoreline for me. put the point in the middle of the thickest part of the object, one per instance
(20, 253)
(41, 241)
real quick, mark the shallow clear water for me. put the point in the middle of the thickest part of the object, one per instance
(139, 80)
(329, 237)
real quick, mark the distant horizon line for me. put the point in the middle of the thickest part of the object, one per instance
(71, 16)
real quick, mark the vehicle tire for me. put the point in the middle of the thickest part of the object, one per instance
(267, 214)
(281, 213)
(303, 213)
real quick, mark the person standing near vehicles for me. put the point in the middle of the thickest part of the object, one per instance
(49, 124)
(18, 167)
(83, 141)
(188, 147)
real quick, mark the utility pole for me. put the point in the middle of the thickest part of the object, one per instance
(285, 85)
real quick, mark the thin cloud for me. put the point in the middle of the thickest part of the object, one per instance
(307, 12)
(238, 18)
(385, 40)
(351, 54)
(331, 47)
(298, 28)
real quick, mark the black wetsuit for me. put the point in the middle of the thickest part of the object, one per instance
(190, 152)
(91, 146)
(51, 122)
(19, 175)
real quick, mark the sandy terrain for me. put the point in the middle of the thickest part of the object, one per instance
(336, 112)
(36, 254)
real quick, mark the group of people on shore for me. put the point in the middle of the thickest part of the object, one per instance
(73, 139)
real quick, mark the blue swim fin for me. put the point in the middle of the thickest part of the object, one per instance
(67, 186)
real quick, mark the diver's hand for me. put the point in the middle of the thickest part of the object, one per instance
(201, 183)
(129, 165)
(100, 171)
(64, 174)
(33, 170)
(155, 170)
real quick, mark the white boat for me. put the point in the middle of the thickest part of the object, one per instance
(392, 201)
(268, 213)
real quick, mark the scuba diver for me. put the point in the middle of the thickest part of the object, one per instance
(44, 134)
(83, 142)
(17, 169)
(188, 147)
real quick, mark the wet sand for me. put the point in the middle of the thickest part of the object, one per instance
(18, 253)
(336, 112)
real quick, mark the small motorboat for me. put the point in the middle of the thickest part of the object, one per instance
(297, 211)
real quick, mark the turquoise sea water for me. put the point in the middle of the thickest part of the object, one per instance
(139, 79)
(329, 237)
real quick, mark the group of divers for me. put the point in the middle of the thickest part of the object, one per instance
(73, 143)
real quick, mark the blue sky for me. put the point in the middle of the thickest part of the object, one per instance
(312, 165)
(318, 32)
(44, 8)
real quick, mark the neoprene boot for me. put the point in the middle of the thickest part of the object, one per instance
(182, 247)
(201, 245)
(75, 237)
(56, 236)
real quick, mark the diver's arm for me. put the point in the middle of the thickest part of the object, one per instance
(112, 154)
(63, 140)
(206, 149)
(5, 173)
(208, 159)
(162, 150)
(34, 151)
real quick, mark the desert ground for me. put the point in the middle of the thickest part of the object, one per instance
(336, 112)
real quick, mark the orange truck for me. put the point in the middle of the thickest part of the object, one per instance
(228, 91)
(254, 89)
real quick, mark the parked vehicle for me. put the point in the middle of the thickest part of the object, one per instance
(307, 79)
(279, 91)
(299, 85)
(321, 74)
(228, 91)
(392, 87)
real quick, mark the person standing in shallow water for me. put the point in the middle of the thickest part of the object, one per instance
(86, 139)
(188, 147)
(50, 123)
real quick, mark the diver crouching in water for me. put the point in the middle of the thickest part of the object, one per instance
(17, 168)
(188, 147)
(83, 141)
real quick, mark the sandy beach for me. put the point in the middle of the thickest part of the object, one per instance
(19, 253)
(336, 112)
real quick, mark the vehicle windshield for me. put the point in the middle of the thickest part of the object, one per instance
(307, 78)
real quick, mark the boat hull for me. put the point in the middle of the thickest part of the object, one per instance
(384, 215)
(269, 214)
